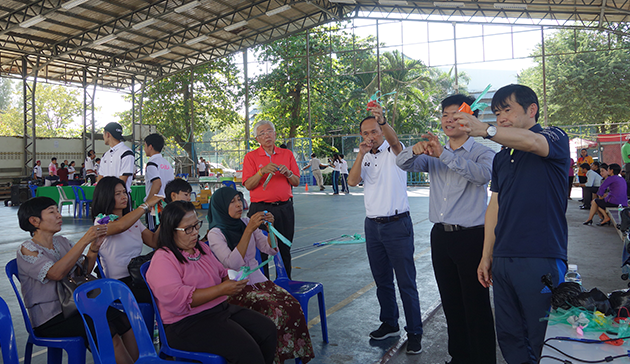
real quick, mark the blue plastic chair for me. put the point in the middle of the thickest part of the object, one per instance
(182, 176)
(81, 201)
(7, 336)
(302, 291)
(229, 184)
(93, 299)
(165, 350)
(146, 308)
(74, 346)
(33, 189)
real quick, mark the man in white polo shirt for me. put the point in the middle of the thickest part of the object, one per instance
(90, 167)
(158, 172)
(388, 228)
(118, 161)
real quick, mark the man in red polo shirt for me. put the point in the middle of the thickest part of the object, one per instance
(275, 195)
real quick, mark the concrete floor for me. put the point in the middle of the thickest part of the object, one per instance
(352, 308)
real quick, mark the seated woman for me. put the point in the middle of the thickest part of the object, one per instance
(191, 289)
(234, 239)
(617, 192)
(45, 259)
(125, 234)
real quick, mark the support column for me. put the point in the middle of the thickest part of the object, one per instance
(308, 81)
(378, 58)
(246, 78)
(88, 114)
(455, 57)
(544, 74)
(28, 94)
(192, 123)
(136, 130)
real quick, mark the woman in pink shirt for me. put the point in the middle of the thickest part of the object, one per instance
(191, 288)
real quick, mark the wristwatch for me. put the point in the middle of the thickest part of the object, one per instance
(492, 131)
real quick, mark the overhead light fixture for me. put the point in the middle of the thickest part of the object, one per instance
(144, 23)
(105, 39)
(343, 1)
(197, 40)
(160, 53)
(392, 2)
(448, 4)
(230, 28)
(510, 6)
(278, 10)
(190, 5)
(71, 4)
(32, 21)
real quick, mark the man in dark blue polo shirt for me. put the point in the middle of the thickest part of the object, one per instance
(525, 224)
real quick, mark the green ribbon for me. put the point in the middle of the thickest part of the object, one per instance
(157, 214)
(105, 219)
(480, 105)
(355, 239)
(274, 233)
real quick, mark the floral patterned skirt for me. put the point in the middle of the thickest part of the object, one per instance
(294, 340)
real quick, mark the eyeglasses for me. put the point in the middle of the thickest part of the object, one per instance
(189, 230)
(263, 133)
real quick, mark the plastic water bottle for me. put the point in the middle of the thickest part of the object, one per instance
(156, 334)
(573, 275)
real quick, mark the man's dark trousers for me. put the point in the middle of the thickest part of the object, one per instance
(466, 303)
(284, 222)
(390, 248)
(520, 301)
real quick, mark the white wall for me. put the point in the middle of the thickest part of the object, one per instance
(12, 152)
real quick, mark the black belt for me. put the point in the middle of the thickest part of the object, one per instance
(277, 203)
(384, 219)
(450, 228)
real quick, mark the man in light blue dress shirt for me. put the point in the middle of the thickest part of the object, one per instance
(459, 171)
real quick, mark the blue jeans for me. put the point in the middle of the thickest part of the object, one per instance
(335, 181)
(390, 251)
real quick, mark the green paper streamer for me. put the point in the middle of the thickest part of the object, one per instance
(480, 105)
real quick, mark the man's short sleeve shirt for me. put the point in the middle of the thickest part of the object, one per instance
(384, 184)
(157, 168)
(278, 188)
(625, 152)
(89, 164)
(532, 198)
(52, 169)
(118, 161)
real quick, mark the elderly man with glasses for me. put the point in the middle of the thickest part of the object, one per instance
(269, 173)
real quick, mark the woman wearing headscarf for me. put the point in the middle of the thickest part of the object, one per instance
(233, 240)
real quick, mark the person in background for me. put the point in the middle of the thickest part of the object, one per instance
(595, 167)
(234, 240)
(37, 170)
(191, 289)
(71, 170)
(47, 258)
(158, 173)
(625, 156)
(388, 228)
(571, 176)
(460, 171)
(316, 166)
(343, 174)
(526, 237)
(590, 187)
(97, 165)
(202, 168)
(584, 158)
(269, 173)
(90, 167)
(615, 196)
(63, 175)
(177, 190)
(335, 163)
(125, 233)
(118, 161)
(52, 167)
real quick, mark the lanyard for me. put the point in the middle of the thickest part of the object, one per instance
(246, 271)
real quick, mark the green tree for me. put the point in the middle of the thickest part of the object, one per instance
(167, 103)
(56, 108)
(588, 79)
